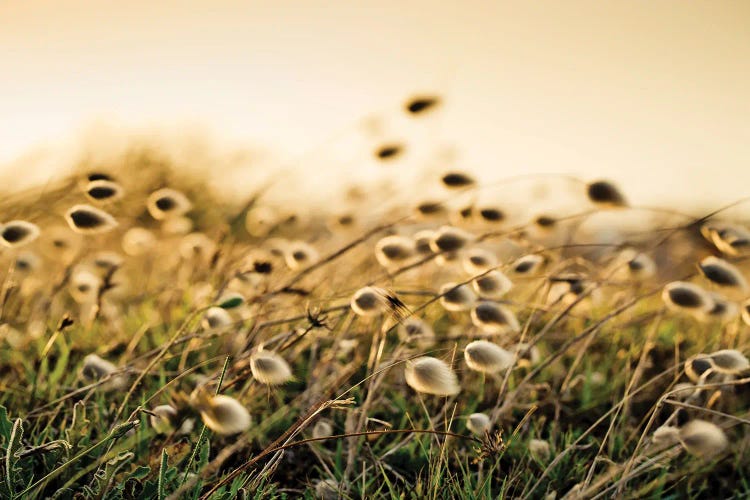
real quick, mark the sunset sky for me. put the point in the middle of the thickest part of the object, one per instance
(652, 94)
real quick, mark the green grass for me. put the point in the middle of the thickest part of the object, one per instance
(593, 395)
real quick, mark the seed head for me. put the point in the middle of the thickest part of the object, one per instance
(18, 233)
(703, 439)
(478, 423)
(269, 368)
(431, 376)
(455, 297)
(222, 414)
(165, 203)
(85, 219)
(486, 357)
(494, 318)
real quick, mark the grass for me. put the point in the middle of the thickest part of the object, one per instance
(609, 355)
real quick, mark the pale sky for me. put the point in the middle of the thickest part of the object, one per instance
(651, 93)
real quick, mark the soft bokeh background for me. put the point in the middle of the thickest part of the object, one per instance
(652, 94)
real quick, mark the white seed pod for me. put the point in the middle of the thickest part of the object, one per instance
(222, 414)
(431, 376)
(417, 330)
(687, 297)
(106, 261)
(525, 354)
(450, 239)
(455, 297)
(95, 368)
(486, 357)
(163, 419)
(722, 273)
(682, 391)
(85, 219)
(492, 285)
(634, 265)
(177, 226)
(60, 244)
(457, 180)
(723, 310)
(261, 220)
(729, 361)
(322, 429)
(165, 203)
(494, 318)
(269, 368)
(371, 301)
(327, 489)
(138, 241)
(703, 439)
(27, 262)
(197, 246)
(103, 191)
(422, 241)
(478, 423)
(18, 233)
(430, 209)
(394, 250)
(605, 194)
(299, 254)
(528, 265)
(730, 239)
(539, 449)
(490, 215)
(216, 318)
(698, 367)
(666, 435)
(84, 286)
(478, 260)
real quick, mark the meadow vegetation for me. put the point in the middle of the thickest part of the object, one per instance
(160, 341)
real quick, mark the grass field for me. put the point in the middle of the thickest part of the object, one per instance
(195, 347)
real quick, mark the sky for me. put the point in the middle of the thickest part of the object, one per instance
(651, 94)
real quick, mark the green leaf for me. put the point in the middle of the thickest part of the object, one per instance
(232, 302)
(162, 474)
(6, 425)
(11, 457)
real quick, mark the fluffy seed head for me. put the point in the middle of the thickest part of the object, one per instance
(606, 194)
(494, 318)
(478, 423)
(730, 239)
(450, 239)
(431, 376)
(95, 368)
(486, 357)
(216, 318)
(177, 226)
(18, 233)
(138, 241)
(457, 180)
(85, 219)
(684, 296)
(300, 254)
(389, 151)
(703, 439)
(528, 264)
(722, 309)
(539, 449)
(197, 246)
(165, 203)
(729, 361)
(722, 273)
(414, 329)
(492, 285)
(666, 435)
(322, 429)
(491, 214)
(478, 261)
(697, 367)
(427, 209)
(371, 301)
(455, 297)
(261, 220)
(269, 368)
(163, 419)
(394, 250)
(222, 414)
(26, 262)
(746, 312)
(422, 242)
(525, 354)
(84, 286)
(103, 191)
(421, 104)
